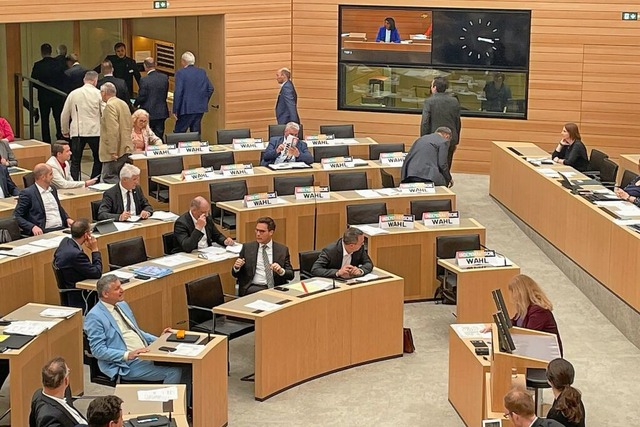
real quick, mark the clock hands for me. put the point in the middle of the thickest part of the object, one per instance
(486, 40)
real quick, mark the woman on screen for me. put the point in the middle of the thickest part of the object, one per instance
(570, 150)
(141, 133)
(567, 408)
(388, 33)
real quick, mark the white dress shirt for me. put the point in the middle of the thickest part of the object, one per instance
(387, 36)
(124, 191)
(202, 243)
(51, 208)
(71, 411)
(1, 193)
(346, 256)
(62, 177)
(82, 109)
(260, 278)
(131, 337)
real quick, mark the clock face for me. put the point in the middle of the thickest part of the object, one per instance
(478, 40)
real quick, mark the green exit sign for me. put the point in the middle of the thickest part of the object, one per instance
(160, 4)
(626, 16)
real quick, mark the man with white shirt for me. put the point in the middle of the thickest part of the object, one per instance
(344, 258)
(125, 199)
(49, 405)
(59, 162)
(262, 264)
(39, 210)
(195, 229)
(81, 122)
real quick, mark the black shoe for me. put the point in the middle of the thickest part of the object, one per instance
(36, 115)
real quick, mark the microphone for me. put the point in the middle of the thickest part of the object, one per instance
(210, 331)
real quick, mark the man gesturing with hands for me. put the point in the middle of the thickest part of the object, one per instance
(195, 229)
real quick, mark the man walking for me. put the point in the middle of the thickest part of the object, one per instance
(286, 105)
(441, 109)
(191, 97)
(115, 134)
(152, 96)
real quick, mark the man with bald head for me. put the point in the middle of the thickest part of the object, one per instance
(152, 96)
(39, 210)
(287, 103)
(195, 229)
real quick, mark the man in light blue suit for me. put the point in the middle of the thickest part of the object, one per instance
(286, 105)
(193, 89)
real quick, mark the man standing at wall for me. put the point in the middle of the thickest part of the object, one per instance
(193, 90)
(286, 105)
(439, 110)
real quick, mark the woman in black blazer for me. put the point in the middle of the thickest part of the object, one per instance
(567, 407)
(570, 150)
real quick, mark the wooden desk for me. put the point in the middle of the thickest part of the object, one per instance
(401, 47)
(322, 333)
(75, 201)
(25, 365)
(474, 285)
(629, 162)
(411, 254)
(585, 233)
(17, 176)
(132, 407)
(295, 219)
(30, 152)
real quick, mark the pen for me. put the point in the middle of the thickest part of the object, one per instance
(304, 287)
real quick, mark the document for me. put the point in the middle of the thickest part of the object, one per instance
(28, 327)
(371, 230)
(102, 186)
(367, 277)
(164, 394)
(172, 260)
(48, 243)
(19, 251)
(387, 191)
(13, 145)
(164, 216)
(213, 250)
(235, 248)
(263, 305)
(123, 275)
(471, 330)
(133, 218)
(62, 313)
(310, 286)
(548, 172)
(188, 349)
(360, 162)
(124, 226)
(345, 141)
(367, 194)
(498, 261)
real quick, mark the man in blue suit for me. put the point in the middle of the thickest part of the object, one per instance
(152, 96)
(283, 149)
(286, 105)
(191, 96)
(39, 210)
(7, 186)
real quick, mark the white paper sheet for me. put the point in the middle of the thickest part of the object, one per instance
(372, 231)
(22, 250)
(263, 305)
(387, 191)
(124, 226)
(471, 330)
(235, 249)
(29, 327)
(368, 193)
(172, 260)
(48, 243)
(188, 349)
(123, 275)
(345, 141)
(61, 313)
(133, 218)
(101, 186)
(164, 394)
(164, 216)
(213, 250)
(367, 277)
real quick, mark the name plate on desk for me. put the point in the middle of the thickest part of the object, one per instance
(396, 221)
(160, 150)
(337, 162)
(418, 187)
(262, 199)
(317, 192)
(319, 140)
(198, 173)
(441, 218)
(477, 258)
(193, 147)
(247, 143)
(394, 159)
(237, 169)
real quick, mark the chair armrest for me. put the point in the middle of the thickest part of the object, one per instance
(114, 267)
(230, 296)
(64, 291)
(195, 307)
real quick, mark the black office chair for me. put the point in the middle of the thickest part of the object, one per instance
(387, 179)
(28, 179)
(627, 178)
(348, 181)
(226, 136)
(162, 166)
(376, 149)
(95, 207)
(608, 174)
(320, 153)
(367, 213)
(10, 224)
(174, 138)
(536, 378)
(84, 299)
(307, 259)
(278, 130)
(170, 244)
(418, 207)
(595, 163)
(126, 252)
(225, 192)
(286, 185)
(446, 247)
(216, 160)
(339, 131)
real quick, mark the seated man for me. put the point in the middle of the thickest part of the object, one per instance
(39, 210)
(59, 162)
(264, 263)
(7, 187)
(195, 229)
(520, 409)
(345, 258)
(113, 204)
(630, 193)
(49, 405)
(74, 264)
(105, 411)
(427, 159)
(116, 340)
(280, 150)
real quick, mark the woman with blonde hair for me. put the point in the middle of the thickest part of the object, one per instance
(141, 133)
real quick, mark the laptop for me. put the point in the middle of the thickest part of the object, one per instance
(105, 226)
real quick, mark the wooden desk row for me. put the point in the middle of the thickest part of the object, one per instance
(30, 152)
(76, 202)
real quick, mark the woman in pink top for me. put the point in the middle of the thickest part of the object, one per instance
(6, 133)
(141, 133)
(7, 158)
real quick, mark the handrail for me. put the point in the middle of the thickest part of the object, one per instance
(18, 101)
(46, 86)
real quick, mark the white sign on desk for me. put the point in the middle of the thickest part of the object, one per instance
(396, 221)
(312, 192)
(160, 150)
(198, 174)
(418, 187)
(441, 218)
(393, 159)
(319, 140)
(262, 199)
(237, 169)
(337, 162)
(247, 143)
(193, 147)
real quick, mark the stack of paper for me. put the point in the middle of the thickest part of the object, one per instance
(235, 249)
(371, 230)
(164, 216)
(101, 186)
(387, 191)
(263, 305)
(61, 313)
(367, 277)
(368, 193)
(172, 260)
(122, 275)
(48, 243)
(124, 226)
(183, 349)
(22, 250)
(471, 330)
(28, 327)
(548, 172)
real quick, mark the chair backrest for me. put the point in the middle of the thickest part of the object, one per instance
(95, 207)
(226, 136)
(418, 207)
(387, 179)
(217, 159)
(165, 166)
(609, 171)
(376, 149)
(627, 177)
(127, 252)
(278, 130)
(28, 179)
(64, 298)
(204, 292)
(174, 138)
(339, 131)
(595, 159)
(306, 260)
(348, 181)
(367, 213)
(169, 243)
(320, 153)
(225, 192)
(286, 185)
(447, 246)
(10, 224)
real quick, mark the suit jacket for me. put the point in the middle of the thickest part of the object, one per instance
(188, 237)
(441, 109)
(546, 422)
(74, 77)
(74, 264)
(123, 68)
(193, 89)
(112, 204)
(249, 252)
(50, 72)
(122, 91)
(115, 130)
(81, 112)
(540, 319)
(62, 178)
(427, 160)
(270, 154)
(330, 260)
(30, 210)
(6, 183)
(382, 32)
(286, 110)
(152, 95)
(46, 412)
(106, 340)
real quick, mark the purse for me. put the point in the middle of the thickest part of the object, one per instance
(407, 341)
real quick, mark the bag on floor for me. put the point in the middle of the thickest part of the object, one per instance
(407, 341)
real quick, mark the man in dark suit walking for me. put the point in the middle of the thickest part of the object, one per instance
(126, 199)
(262, 264)
(122, 92)
(74, 75)
(286, 105)
(520, 409)
(441, 109)
(124, 67)
(152, 96)
(50, 72)
(7, 187)
(344, 258)
(195, 229)
(191, 95)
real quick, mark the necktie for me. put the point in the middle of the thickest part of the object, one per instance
(130, 324)
(129, 201)
(267, 270)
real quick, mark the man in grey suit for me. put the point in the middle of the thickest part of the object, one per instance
(427, 159)
(345, 258)
(441, 109)
(520, 408)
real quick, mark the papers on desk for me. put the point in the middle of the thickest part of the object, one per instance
(101, 186)
(387, 191)
(627, 221)
(48, 243)
(164, 394)
(124, 226)
(122, 275)
(289, 165)
(191, 350)
(367, 194)
(172, 260)
(263, 305)
(360, 162)
(367, 277)
(370, 230)
(234, 249)
(499, 261)
(164, 216)
(471, 330)
(133, 218)
(20, 251)
(344, 141)
(28, 327)
(311, 286)
(548, 172)
(13, 145)
(58, 313)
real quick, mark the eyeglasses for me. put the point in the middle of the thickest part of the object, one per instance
(508, 415)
